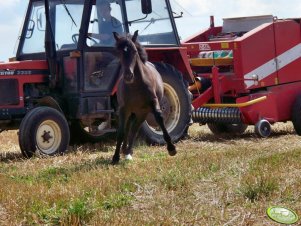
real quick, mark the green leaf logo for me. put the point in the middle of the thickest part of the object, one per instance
(282, 215)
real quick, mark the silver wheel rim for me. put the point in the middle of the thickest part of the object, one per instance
(48, 137)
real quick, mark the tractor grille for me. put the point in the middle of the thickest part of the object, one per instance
(216, 115)
(9, 94)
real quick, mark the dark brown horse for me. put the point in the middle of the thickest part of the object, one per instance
(139, 93)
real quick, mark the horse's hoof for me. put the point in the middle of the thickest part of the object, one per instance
(115, 161)
(172, 153)
(171, 150)
(128, 157)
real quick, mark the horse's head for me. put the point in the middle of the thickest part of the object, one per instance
(128, 53)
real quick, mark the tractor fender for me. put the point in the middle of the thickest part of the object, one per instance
(50, 102)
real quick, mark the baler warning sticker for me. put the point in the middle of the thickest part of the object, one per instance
(204, 46)
(224, 45)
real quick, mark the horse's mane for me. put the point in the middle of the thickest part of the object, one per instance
(141, 50)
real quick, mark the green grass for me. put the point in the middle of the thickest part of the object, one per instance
(259, 187)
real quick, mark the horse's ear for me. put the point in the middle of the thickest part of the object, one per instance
(134, 38)
(116, 36)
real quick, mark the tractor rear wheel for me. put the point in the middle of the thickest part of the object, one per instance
(221, 128)
(45, 130)
(175, 106)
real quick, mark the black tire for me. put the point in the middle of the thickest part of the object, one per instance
(45, 130)
(79, 133)
(232, 129)
(263, 128)
(296, 115)
(176, 108)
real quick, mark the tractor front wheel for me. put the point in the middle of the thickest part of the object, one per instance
(44, 130)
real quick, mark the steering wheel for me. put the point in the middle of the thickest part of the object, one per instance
(76, 36)
(94, 40)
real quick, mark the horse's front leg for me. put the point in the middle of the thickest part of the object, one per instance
(120, 135)
(136, 122)
(128, 127)
(159, 119)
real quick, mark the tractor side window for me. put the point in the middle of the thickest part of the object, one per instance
(154, 28)
(65, 19)
(105, 18)
(35, 30)
(67, 24)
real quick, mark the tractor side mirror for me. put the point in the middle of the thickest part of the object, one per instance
(41, 23)
(146, 6)
(30, 29)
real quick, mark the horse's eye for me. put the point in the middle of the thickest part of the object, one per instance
(125, 49)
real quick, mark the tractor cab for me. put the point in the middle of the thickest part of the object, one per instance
(77, 36)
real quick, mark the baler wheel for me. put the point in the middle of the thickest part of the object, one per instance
(296, 115)
(222, 128)
(263, 128)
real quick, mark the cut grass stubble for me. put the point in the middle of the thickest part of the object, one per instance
(212, 181)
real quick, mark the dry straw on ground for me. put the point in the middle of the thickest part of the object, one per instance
(212, 181)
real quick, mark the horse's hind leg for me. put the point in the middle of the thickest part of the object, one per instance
(159, 119)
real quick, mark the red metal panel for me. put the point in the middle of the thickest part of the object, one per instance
(266, 109)
(26, 65)
(276, 108)
(288, 38)
(287, 35)
(24, 78)
(291, 72)
(254, 50)
(203, 99)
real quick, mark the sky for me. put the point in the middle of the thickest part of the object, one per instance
(196, 14)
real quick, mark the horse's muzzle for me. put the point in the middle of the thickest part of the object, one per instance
(128, 76)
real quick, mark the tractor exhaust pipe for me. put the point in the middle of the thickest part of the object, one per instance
(217, 115)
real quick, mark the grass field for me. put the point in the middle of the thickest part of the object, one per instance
(212, 181)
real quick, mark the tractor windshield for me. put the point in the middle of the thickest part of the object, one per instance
(106, 18)
(65, 16)
(155, 28)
